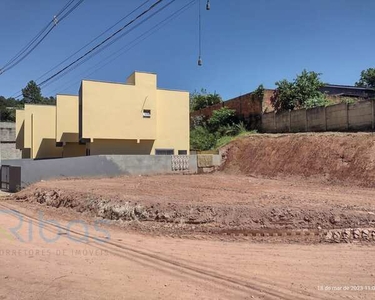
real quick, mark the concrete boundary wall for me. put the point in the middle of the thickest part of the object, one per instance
(95, 166)
(8, 141)
(359, 116)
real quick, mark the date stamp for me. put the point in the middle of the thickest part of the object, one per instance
(355, 288)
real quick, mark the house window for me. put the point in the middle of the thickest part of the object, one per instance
(147, 113)
(182, 152)
(164, 151)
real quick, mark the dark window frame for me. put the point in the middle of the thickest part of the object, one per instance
(164, 151)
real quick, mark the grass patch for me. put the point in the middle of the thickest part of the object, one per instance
(226, 139)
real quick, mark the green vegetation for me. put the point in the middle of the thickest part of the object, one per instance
(226, 139)
(202, 99)
(367, 78)
(31, 94)
(302, 92)
(259, 92)
(217, 131)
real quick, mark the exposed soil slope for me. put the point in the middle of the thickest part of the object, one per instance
(209, 203)
(338, 157)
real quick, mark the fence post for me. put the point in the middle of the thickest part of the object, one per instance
(347, 116)
(274, 121)
(306, 121)
(290, 121)
(325, 118)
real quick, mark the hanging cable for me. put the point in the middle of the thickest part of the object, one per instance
(105, 41)
(125, 49)
(102, 43)
(83, 47)
(93, 40)
(35, 42)
(200, 62)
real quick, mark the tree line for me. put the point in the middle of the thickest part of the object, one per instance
(31, 94)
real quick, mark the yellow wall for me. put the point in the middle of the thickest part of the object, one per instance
(109, 118)
(172, 121)
(115, 111)
(20, 130)
(40, 131)
(67, 118)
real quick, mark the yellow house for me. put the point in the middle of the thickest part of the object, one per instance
(108, 118)
(36, 131)
(67, 135)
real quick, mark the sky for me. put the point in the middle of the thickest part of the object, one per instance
(244, 43)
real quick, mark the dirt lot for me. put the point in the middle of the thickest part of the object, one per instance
(123, 265)
(227, 235)
(210, 203)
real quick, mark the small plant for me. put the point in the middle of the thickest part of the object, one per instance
(321, 100)
(347, 100)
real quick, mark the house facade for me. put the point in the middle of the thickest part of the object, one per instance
(129, 118)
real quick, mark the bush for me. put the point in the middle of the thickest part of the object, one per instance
(316, 102)
(221, 118)
(202, 139)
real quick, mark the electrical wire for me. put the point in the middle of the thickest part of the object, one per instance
(126, 48)
(93, 40)
(102, 43)
(106, 46)
(35, 42)
(83, 47)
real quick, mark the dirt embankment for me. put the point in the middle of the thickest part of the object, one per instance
(333, 157)
(214, 203)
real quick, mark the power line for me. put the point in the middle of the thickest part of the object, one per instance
(35, 42)
(106, 46)
(91, 51)
(97, 37)
(103, 42)
(93, 40)
(129, 46)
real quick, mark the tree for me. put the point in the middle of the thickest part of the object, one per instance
(32, 93)
(203, 99)
(302, 92)
(367, 78)
(7, 109)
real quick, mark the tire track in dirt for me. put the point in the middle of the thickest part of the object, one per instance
(177, 268)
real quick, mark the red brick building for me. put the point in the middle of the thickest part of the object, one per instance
(248, 107)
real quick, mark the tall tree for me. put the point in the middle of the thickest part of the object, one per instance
(32, 93)
(367, 78)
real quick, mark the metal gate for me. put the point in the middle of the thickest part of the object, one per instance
(10, 178)
(5, 178)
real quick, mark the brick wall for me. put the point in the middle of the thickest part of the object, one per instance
(247, 107)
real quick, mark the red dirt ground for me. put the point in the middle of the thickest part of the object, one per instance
(301, 181)
(210, 203)
(333, 157)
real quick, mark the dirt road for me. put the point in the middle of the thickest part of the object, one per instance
(132, 266)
